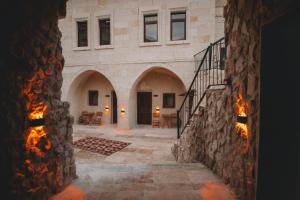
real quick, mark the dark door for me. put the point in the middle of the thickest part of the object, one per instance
(144, 107)
(279, 120)
(114, 104)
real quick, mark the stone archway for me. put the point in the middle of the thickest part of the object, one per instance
(158, 81)
(91, 86)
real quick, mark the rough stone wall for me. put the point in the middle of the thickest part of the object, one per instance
(243, 22)
(33, 60)
(217, 142)
(200, 139)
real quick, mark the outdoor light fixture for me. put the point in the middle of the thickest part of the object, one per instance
(122, 110)
(157, 109)
(36, 122)
(242, 119)
(106, 108)
(241, 107)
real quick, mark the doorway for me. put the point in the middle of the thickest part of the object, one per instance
(144, 108)
(114, 103)
(279, 109)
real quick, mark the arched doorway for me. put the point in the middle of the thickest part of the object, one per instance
(92, 94)
(157, 90)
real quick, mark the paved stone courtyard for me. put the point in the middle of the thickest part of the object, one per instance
(145, 169)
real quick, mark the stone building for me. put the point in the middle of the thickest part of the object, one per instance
(136, 56)
(263, 165)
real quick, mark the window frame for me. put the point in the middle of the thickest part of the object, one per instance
(90, 103)
(104, 14)
(178, 20)
(77, 18)
(78, 33)
(148, 23)
(150, 10)
(181, 7)
(99, 27)
(166, 95)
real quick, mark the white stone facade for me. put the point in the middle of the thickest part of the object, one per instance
(129, 64)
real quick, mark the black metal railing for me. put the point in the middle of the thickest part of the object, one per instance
(210, 72)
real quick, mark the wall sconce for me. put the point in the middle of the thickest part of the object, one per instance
(36, 122)
(123, 110)
(157, 109)
(106, 108)
(241, 119)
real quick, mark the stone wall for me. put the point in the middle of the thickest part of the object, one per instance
(200, 141)
(31, 73)
(218, 144)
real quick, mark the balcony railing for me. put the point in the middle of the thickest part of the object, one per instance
(210, 72)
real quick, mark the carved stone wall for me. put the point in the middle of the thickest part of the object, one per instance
(212, 138)
(31, 72)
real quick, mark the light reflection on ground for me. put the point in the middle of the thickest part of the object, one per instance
(70, 193)
(215, 191)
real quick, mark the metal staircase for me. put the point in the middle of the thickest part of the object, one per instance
(210, 74)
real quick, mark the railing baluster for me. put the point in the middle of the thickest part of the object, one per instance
(210, 65)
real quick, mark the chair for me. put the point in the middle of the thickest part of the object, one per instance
(97, 118)
(84, 118)
(155, 121)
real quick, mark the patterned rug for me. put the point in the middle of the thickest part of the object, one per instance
(100, 145)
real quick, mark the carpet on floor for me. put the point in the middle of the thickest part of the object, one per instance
(100, 145)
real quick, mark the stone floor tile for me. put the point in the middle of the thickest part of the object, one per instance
(146, 169)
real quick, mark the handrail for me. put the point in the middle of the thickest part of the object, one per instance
(209, 73)
(193, 80)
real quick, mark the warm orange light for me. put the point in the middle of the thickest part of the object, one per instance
(33, 140)
(36, 134)
(157, 109)
(38, 111)
(241, 108)
(106, 108)
(36, 138)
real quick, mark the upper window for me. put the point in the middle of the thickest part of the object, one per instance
(150, 28)
(178, 26)
(104, 31)
(82, 33)
(169, 100)
(93, 97)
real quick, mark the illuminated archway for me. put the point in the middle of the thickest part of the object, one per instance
(80, 93)
(158, 81)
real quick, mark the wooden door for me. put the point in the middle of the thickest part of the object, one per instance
(144, 108)
(114, 104)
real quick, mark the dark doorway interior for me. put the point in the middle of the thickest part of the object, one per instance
(278, 164)
(144, 108)
(114, 103)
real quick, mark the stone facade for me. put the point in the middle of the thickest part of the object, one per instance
(31, 76)
(206, 134)
(128, 59)
(218, 143)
